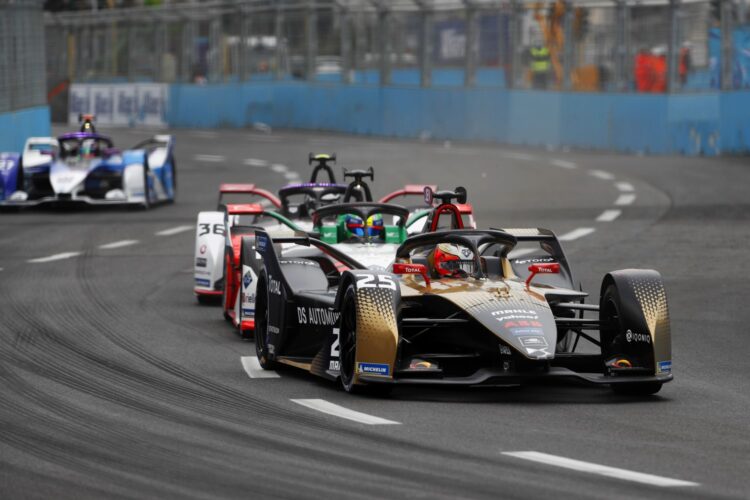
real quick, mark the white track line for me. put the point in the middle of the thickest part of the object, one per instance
(118, 244)
(253, 369)
(602, 470)
(563, 164)
(324, 406)
(625, 199)
(624, 186)
(173, 230)
(601, 174)
(279, 168)
(255, 162)
(291, 176)
(210, 158)
(576, 233)
(609, 215)
(57, 256)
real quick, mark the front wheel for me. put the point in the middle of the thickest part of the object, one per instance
(348, 341)
(613, 346)
(348, 350)
(261, 327)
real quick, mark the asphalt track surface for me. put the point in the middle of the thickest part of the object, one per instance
(115, 383)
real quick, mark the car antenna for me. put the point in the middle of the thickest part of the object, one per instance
(358, 184)
(87, 123)
(321, 161)
(446, 206)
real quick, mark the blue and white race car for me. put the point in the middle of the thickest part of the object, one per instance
(85, 167)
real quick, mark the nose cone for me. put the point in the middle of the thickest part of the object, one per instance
(66, 181)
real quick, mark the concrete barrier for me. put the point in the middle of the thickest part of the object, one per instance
(16, 126)
(690, 124)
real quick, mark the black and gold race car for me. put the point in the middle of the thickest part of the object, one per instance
(455, 309)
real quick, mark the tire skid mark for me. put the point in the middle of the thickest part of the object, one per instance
(74, 348)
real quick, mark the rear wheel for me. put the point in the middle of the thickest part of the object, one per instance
(261, 327)
(207, 300)
(610, 331)
(227, 287)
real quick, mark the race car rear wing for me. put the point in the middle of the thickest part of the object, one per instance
(249, 189)
(408, 190)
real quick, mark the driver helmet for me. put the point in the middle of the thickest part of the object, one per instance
(375, 226)
(88, 149)
(450, 260)
(353, 225)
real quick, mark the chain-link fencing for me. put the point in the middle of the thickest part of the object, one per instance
(580, 45)
(22, 67)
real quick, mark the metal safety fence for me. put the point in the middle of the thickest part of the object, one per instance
(22, 62)
(579, 45)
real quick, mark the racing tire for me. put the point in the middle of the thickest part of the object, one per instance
(206, 300)
(146, 188)
(611, 324)
(261, 326)
(348, 350)
(173, 168)
(19, 176)
(245, 334)
(225, 306)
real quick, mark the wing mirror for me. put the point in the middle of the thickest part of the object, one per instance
(412, 269)
(535, 269)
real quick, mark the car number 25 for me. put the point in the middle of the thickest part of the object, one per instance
(375, 281)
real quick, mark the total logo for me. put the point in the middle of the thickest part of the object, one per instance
(630, 336)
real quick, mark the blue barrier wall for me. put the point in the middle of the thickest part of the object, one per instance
(692, 124)
(16, 126)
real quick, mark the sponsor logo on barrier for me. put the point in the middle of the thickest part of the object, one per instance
(374, 369)
(202, 282)
(664, 367)
(644, 338)
(317, 316)
(119, 104)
